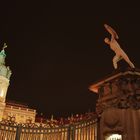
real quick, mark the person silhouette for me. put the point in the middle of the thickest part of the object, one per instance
(114, 45)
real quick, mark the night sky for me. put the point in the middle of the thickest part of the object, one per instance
(56, 50)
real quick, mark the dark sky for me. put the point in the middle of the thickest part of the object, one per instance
(56, 50)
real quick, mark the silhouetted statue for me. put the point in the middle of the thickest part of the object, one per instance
(120, 54)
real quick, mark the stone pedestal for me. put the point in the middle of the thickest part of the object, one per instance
(118, 105)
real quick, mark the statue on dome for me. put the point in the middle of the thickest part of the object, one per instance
(4, 70)
(120, 54)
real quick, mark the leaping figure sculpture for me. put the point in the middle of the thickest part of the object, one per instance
(114, 45)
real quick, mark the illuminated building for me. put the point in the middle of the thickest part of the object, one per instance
(17, 120)
(18, 112)
(118, 109)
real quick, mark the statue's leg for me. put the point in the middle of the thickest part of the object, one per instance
(131, 64)
(125, 57)
(115, 60)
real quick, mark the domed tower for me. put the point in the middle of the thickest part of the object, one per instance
(5, 74)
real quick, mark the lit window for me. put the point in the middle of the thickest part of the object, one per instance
(114, 137)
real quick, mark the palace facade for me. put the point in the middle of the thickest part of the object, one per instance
(17, 112)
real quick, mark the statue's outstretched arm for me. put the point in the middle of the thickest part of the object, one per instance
(111, 31)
